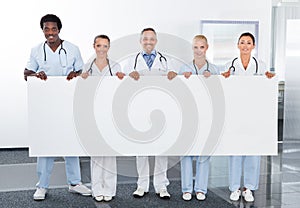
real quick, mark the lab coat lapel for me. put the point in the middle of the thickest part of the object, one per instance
(141, 63)
(156, 63)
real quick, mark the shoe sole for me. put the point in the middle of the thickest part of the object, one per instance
(164, 197)
(187, 199)
(39, 198)
(248, 200)
(200, 199)
(139, 196)
(85, 194)
(235, 199)
(108, 200)
(98, 200)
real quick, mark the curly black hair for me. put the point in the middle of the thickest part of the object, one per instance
(51, 18)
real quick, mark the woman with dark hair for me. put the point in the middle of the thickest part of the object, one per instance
(245, 65)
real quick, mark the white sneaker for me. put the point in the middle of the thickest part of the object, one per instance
(186, 196)
(200, 196)
(247, 194)
(80, 189)
(108, 198)
(235, 195)
(40, 194)
(99, 198)
(139, 192)
(163, 194)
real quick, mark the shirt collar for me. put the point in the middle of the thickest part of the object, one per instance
(152, 53)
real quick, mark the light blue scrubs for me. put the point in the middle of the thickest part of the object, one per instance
(202, 162)
(56, 65)
(201, 178)
(45, 166)
(249, 165)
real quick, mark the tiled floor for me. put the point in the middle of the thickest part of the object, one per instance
(279, 180)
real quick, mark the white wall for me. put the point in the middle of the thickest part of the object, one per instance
(82, 20)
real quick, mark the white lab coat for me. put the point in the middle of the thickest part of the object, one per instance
(248, 165)
(103, 168)
(251, 68)
(158, 68)
(104, 175)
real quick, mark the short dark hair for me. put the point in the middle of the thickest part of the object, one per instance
(103, 37)
(148, 29)
(50, 18)
(249, 35)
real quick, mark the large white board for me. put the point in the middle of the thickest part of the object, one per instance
(153, 116)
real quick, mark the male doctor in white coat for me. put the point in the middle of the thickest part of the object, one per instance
(150, 62)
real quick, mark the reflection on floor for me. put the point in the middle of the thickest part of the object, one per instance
(279, 180)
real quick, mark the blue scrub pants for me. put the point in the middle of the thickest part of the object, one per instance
(201, 178)
(250, 165)
(45, 166)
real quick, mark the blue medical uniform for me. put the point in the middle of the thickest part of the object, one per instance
(202, 162)
(57, 63)
(249, 165)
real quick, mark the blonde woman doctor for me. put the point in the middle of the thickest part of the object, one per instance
(198, 66)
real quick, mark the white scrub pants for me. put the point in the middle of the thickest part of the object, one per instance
(250, 165)
(201, 178)
(104, 176)
(45, 166)
(160, 179)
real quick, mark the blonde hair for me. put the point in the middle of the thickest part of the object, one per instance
(200, 37)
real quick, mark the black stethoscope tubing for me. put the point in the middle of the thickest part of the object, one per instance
(91, 71)
(233, 67)
(207, 67)
(160, 59)
(61, 49)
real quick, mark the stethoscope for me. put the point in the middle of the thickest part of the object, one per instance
(91, 70)
(207, 66)
(161, 57)
(233, 67)
(59, 52)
